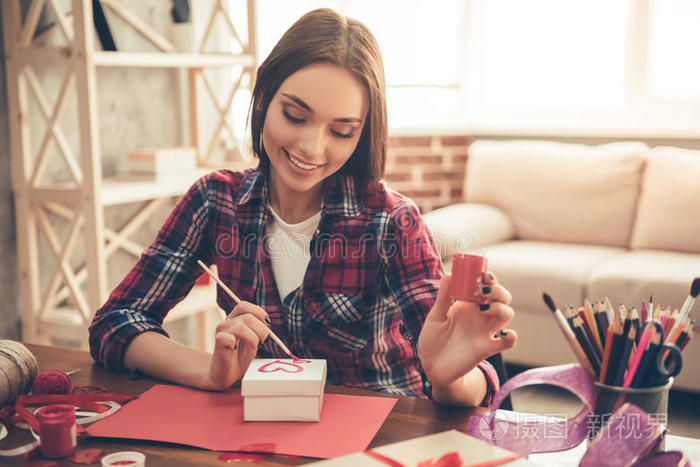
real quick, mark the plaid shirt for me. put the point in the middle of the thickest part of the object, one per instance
(371, 280)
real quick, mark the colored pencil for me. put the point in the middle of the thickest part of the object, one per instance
(625, 356)
(606, 355)
(603, 328)
(589, 333)
(617, 346)
(627, 319)
(648, 332)
(647, 367)
(590, 317)
(569, 316)
(568, 334)
(586, 345)
(610, 309)
(636, 323)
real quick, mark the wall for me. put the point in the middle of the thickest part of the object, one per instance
(430, 169)
(9, 313)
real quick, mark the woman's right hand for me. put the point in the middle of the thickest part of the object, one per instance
(236, 344)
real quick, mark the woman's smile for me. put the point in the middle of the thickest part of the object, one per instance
(305, 167)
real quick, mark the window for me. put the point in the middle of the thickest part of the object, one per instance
(541, 67)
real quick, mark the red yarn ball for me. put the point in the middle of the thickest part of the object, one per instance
(51, 382)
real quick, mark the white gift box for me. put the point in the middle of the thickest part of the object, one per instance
(278, 389)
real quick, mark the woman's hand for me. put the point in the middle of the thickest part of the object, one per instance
(236, 344)
(456, 336)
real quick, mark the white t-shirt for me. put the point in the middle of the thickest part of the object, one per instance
(288, 245)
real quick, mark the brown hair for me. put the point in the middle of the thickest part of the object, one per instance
(323, 35)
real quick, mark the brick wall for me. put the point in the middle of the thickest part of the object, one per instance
(428, 169)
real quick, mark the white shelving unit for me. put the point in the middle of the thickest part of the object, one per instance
(64, 304)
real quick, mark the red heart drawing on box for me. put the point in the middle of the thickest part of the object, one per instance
(279, 365)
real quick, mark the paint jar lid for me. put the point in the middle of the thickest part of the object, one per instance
(56, 413)
(124, 458)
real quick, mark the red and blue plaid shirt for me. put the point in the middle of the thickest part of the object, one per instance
(372, 277)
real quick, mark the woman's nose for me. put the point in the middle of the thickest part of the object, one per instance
(313, 143)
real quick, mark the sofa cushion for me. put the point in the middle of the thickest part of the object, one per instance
(633, 276)
(558, 192)
(527, 268)
(465, 226)
(668, 217)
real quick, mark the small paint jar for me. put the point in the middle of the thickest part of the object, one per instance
(124, 458)
(466, 269)
(57, 437)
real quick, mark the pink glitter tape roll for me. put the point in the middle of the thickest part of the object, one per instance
(629, 436)
(507, 434)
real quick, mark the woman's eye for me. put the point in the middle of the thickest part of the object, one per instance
(342, 135)
(292, 118)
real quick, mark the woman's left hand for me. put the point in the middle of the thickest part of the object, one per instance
(457, 336)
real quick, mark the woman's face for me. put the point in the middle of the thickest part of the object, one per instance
(313, 125)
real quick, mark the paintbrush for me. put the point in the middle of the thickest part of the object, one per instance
(685, 309)
(238, 300)
(568, 334)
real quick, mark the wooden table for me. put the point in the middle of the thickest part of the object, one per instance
(410, 418)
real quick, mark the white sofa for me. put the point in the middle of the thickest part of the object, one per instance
(618, 220)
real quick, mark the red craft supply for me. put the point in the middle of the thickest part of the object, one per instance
(51, 382)
(466, 269)
(57, 437)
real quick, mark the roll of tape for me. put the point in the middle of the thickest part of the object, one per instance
(510, 434)
(628, 436)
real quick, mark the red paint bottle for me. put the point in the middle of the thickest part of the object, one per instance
(466, 269)
(57, 437)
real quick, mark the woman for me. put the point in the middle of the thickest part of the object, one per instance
(337, 264)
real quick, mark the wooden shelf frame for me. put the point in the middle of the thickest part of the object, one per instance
(72, 293)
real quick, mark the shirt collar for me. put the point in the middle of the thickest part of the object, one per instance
(254, 187)
(340, 194)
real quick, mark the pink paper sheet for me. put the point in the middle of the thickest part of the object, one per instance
(214, 420)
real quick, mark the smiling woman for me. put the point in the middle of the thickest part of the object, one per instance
(322, 252)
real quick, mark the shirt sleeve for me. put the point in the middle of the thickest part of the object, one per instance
(492, 382)
(414, 272)
(163, 276)
(414, 269)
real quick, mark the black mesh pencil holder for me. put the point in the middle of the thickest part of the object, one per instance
(608, 399)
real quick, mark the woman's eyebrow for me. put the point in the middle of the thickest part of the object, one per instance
(305, 106)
